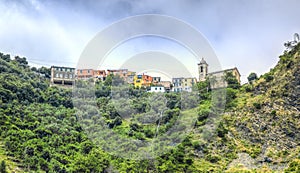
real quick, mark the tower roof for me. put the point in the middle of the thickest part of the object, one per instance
(202, 61)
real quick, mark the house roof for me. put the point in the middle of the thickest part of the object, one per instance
(226, 70)
(61, 67)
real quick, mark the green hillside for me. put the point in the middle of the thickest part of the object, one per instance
(42, 130)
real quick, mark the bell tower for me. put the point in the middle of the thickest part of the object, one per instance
(202, 69)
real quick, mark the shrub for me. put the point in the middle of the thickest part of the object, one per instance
(294, 166)
(257, 105)
(248, 88)
(273, 112)
(252, 77)
(268, 77)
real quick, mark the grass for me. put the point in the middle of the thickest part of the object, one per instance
(10, 164)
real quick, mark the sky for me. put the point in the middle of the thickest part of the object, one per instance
(247, 34)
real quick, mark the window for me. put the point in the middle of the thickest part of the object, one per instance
(57, 75)
(61, 75)
(88, 71)
(201, 69)
(80, 71)
(155, 88)
(159, 88)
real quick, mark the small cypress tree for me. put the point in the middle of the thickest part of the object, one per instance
(3, 167)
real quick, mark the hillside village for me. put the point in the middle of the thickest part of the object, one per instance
(42, 131)
(66, 76)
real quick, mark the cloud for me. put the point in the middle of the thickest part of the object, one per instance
(246, 34)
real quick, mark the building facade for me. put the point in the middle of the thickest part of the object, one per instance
(130, 77)
(188, 84)
(120, 72)
(184, 84)
(177, 84)
(99, 75)
(217, 78)
(84, 74)
(62, 76)
(142, 81)
(166, 84)
(156, 80)
(157, 89)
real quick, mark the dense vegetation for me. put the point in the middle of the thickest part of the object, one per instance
(43, 130)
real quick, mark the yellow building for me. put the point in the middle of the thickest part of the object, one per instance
(137, 81)
(142, 81)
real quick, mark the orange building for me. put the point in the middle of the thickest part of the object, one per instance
(147, 80)
(84, 73)
(99, 74)
(122, 73)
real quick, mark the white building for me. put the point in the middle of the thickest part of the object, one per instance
(157, 89)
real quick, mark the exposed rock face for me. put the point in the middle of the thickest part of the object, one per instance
(270, 119)
(245, 161)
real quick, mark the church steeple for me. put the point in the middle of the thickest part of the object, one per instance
(203, 70)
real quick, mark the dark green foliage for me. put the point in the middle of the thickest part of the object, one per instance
(5, 57)
(222, 130)
(273, 112)
(268, 77)
(230, 97)
(252, 77)
(204, 88)
(3, 168)
(257, 105)
(248, 87)
(232, 82)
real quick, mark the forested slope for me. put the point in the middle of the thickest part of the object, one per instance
(259, 130)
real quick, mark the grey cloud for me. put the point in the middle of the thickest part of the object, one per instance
(244, 33)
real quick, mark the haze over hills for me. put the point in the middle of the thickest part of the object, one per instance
(259, 130)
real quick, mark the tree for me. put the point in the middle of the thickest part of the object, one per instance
(252, 77)
(5, 57)
(3, 167)
(22, 61)
(232, 81)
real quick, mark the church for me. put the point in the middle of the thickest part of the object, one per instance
(217, 78)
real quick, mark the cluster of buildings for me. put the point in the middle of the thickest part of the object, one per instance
(66, 76)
